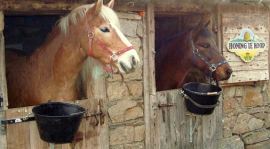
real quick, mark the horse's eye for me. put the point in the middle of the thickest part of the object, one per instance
(105, 29)
(206, 45)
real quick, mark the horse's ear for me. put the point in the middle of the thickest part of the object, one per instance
(207, 24)
(97, 7)
(203, 23)
(205, 20)
(111, 4)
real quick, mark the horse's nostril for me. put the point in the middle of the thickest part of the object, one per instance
(134, 62)
(123, 66)
(229, 72)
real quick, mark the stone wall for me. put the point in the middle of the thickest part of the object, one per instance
(247, 116)
(125, 106)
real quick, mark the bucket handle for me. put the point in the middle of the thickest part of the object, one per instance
(197, 104)
(212, 93)
(28, 117)
(31, 117)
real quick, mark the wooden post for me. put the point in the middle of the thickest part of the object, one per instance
(149, 74)
(3, 88)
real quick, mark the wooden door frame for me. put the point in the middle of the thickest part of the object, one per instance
(3, 87)
(150, 94)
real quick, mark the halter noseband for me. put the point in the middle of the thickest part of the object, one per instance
(212, 66)
(114, 55)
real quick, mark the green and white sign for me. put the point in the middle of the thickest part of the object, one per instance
(247, 45)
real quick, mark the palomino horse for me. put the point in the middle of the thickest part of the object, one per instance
(52, 70)
(194, 48)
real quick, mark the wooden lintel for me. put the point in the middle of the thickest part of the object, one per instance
(61, 6)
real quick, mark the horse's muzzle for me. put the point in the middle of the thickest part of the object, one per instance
(128, 62)
(223, 72)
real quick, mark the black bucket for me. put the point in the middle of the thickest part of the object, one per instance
(201, 98)
(58, 122)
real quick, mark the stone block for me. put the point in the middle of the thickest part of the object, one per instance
(230, 105)
(133, 113)
(129, 27)
(229, 122)
(256, 110)
(228, 92)
(262, 116)
(246, 122)
(241, 123)
(135, 88)
(129, 16)
(117, 111)
(267, 121)
(139, 145)
(140, 29)
(139, 133)
(233, 142)
(117, 90)
(239, 91)
(255, 123)
(252, 97)
(268, 88)
(261, 145)
(136, 75)
(117, 147)
(1, 21)
(256, 136)
(122, 135)
(136, 42)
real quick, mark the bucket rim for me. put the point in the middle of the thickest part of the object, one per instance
(200, 93)
(60, 116)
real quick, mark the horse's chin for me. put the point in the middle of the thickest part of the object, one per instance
(125, 70)
(221, 77)
(117, 69)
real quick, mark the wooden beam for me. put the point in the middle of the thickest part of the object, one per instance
(62, 6)
(149, 75)
(171, 7)
(3, 87)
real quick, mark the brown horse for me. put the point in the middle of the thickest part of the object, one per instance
(194, 48)
(52, 70)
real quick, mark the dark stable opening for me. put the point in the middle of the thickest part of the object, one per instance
(24, 34)
(168, 26)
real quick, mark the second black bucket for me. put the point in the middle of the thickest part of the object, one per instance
(201, 98)
(58, 122)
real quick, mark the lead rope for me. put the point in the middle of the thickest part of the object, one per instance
(211, 79)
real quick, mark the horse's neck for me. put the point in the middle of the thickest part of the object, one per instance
(174, 64)
(61, 56)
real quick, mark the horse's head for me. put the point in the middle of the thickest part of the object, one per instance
(206, 55)
(100, 36)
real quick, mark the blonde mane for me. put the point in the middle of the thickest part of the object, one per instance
(80, 12)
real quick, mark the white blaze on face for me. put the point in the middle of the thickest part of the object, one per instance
(127, 58)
